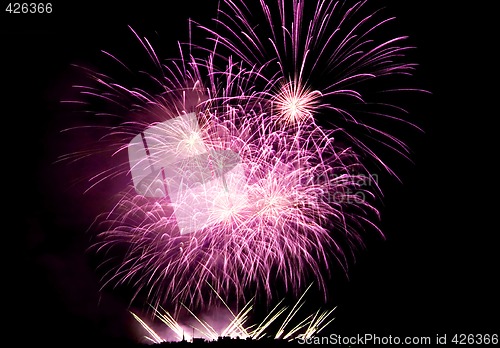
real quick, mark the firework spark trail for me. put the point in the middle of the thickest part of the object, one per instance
(237, 325)
(294, 203)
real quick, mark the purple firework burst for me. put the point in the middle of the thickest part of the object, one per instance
(247, 161)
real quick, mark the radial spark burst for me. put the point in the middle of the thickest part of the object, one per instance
(246, 159)
(330, 59)
(295, 104)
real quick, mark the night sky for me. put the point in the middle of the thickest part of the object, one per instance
(433, 274)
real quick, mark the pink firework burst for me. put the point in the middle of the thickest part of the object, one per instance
(330, 59)
(236, 183)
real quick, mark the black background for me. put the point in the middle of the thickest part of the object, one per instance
(435, 273)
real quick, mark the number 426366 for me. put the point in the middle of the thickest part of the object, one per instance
(32, 7)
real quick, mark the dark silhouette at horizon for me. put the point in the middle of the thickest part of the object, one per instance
(227, 341)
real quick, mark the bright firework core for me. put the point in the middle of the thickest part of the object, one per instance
(295, 104)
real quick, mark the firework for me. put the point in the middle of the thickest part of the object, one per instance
(237, 325)
(247, 159)
(328, 59)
